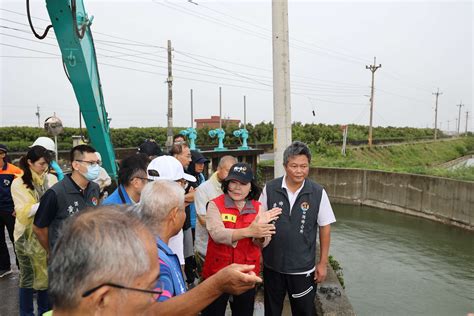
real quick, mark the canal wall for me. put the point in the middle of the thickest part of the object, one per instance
(456, 162)
(440, 199)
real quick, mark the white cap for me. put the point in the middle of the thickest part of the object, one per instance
(168, 168)
(45, 142)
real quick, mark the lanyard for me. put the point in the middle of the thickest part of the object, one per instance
(122, 197)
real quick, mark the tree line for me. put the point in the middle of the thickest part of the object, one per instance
(19, 138)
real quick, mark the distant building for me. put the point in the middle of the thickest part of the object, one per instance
(213, 122)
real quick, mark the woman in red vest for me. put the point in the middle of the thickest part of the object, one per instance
(237, 231)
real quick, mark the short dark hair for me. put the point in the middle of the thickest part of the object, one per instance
(254, 193)
(179, 136)
(295, 149)
(78, 152)
(178, 148)
(130, 166)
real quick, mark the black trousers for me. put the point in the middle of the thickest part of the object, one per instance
(6, 220)
(241, 305)
(301, 291)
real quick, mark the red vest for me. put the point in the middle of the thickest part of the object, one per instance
(219, 256)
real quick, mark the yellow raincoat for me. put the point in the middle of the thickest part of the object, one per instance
(32, 257)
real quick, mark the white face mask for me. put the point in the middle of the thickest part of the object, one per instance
(92, 172)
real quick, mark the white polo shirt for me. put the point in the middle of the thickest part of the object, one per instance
(325, 215)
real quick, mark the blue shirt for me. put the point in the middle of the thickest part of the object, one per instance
(119, 196)
(170, 272)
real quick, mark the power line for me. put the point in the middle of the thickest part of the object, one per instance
(399, 95)
(29, 49)
(27, 57)
(148, 45)
(14, 29)
(232, 72)
(211, 19)
(297, 40)
(138, 43)
(268, 32)
(241, 29)
(310, 87)
(23, 14)
(194, 79)
(28, 39)
(239, 74)
(423, 87)
(291, 37)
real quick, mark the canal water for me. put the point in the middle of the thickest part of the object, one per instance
(395, 264)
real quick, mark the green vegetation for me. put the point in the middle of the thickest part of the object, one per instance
(19, 138)
(338, 270)
(419, 158)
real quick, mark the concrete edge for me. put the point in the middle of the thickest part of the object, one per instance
(332, 306)
(398, 209)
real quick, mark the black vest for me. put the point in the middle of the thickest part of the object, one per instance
(69, 202)
(293, 247)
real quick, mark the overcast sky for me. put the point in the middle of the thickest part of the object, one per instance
(421, 46)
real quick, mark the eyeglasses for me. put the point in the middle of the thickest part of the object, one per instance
(91, 163)
(156, 292)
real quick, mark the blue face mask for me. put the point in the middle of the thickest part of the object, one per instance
(92, 172)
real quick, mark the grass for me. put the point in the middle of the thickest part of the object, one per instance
(418, 158)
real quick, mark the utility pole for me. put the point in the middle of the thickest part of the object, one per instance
(169, 139)
(467, 120)
(437, 94)
(220, 107)
(192, 110)
(460, 105)
(281, 83)
(38, 115)
(373, 68)
(448, 125)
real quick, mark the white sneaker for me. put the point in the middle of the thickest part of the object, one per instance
(5, 272)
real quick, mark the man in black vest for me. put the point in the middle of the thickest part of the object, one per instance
(289, 259)
(70, 195)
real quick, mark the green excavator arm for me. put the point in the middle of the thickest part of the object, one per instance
(71, 26)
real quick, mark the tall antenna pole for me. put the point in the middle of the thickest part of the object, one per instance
(437, 94)
(373, 68)
(169, 139)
